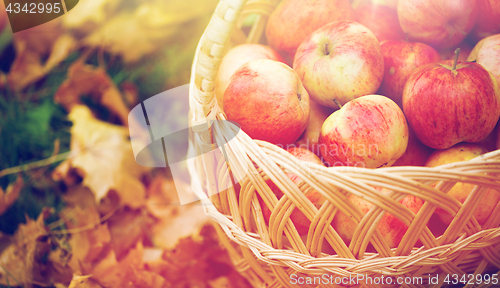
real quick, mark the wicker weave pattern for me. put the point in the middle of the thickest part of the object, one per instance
(267, 255)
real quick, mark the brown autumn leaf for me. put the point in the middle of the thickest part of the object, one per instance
(47, 41)
(11, 194)
(83, 224)
(84, 79)
(103, 157)
(30, 259)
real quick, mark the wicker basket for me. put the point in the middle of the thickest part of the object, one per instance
(268, 256)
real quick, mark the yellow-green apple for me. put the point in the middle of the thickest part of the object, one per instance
(487, 53)
(341, 60)
(416, 153)
(236, 57)
(298, 218)
(449, 102)
(449, 53)
(401, 58)
(389, 226)
(369, 131)
(487, 23)
(381, 20)
(317, 116)
(441, 24)
(293, 20)
(458, 153)
(267, 99)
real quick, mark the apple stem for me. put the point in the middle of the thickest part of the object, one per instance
(457, 52)
(338, 103)
(326, 49)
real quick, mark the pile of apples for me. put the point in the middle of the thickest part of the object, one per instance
(381, 84)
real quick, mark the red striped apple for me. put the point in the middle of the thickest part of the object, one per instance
(267, 99)
(236, 57)
(447, 102)
(441, 24)
(369, 131)
(458, 153)
(342, 61)
(401, 58)
(293, 20)
(416, 153)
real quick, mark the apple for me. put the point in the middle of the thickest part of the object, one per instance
(369, 132)
(458, 153)
(449, 53)
(487, 53)
(449, 102)
(298, 218)
(317, 116)
(416, 153)
(389, 226)
(401, 58)
(441, 24)
(490, 142)
(487, 23)
(236, 57)
(389, 3)
(294, 20)
(341, 60)
(381, 20)
(267, 99)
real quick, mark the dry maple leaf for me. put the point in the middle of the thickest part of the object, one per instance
(10, 196)
(103, 158)
(86, 79)
(82, 281)
(27, 260)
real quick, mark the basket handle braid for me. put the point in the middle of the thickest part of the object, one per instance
(204, 69)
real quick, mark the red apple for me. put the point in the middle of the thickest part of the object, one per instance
(487, 23)
(298, 218)
(389, 226)
(458, 153)
(381, 20)
(401, 58)
(441, 24)
(369, 131)
(236, 57)
(268, 101)
(317, 116)
(448, 102)
(342, 61)
(416, 153)
(294, 20)
(487, 53)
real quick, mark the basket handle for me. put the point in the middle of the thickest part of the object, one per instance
(207, 61)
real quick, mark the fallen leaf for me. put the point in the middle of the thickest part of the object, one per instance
(88, 15)
(104, 158)
(26, 261)
(47, 41)
(91, 81)
(10, 196)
